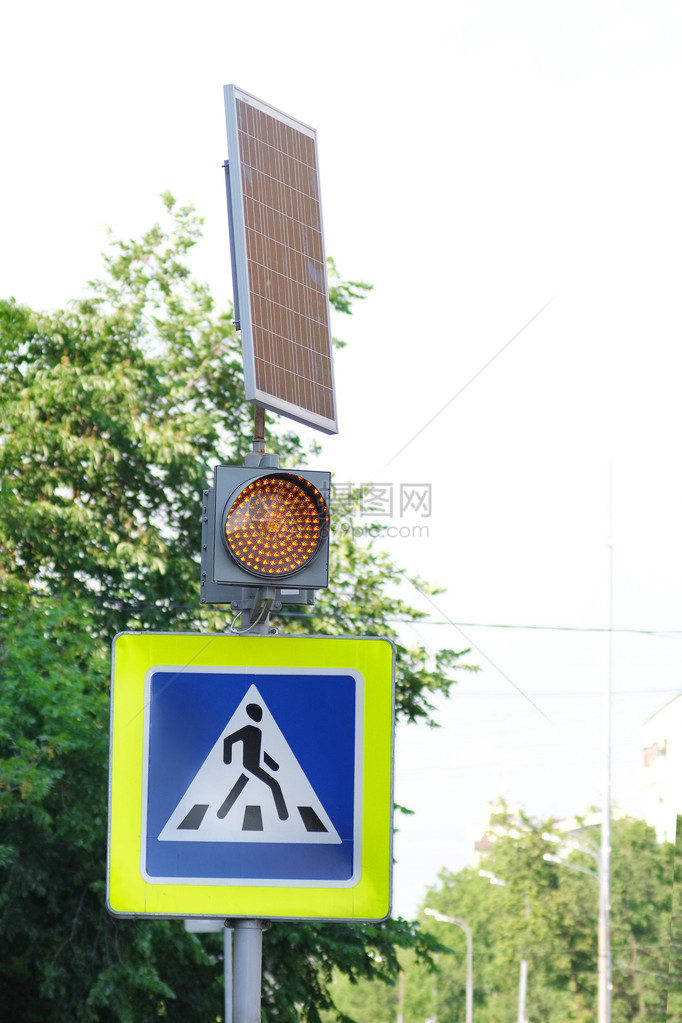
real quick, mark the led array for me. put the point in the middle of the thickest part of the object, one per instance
(274, 525)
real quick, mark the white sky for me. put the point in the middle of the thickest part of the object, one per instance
(478, 160)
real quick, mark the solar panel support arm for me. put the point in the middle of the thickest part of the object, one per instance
(259, 433)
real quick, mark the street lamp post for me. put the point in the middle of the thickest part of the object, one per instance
(602, 877)
(523, 972)
(470, 971)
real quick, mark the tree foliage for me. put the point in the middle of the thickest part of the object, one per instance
(546, 913)
(113, 412)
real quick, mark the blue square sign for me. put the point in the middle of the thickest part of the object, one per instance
(251, 776)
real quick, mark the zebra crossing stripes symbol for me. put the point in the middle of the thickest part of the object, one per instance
(250, 788)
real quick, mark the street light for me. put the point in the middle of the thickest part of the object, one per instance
(470, 972)
(491, 877)
(523, 972)
(571, 866)
(590, 848)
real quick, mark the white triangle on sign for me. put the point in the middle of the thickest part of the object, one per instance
(261, 795)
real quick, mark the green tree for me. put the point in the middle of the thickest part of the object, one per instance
(364, 1002)
(112, 413)
(546, 913)
(675, 964)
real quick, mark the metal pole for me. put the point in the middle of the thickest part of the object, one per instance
(523, 972)
(259, 430)
(470, 965)
(470, 973)
(227, 964)
(246, 978)
(401, 995)
(523, 981)
(247, 958)
(604, 949)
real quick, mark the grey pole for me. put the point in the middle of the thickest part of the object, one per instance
(247, 967)
(523, 977)
(470, 970)
(585, 845)
(227, 963)
(247, 943)
(604, 995)
(523, 972)
(523, 983)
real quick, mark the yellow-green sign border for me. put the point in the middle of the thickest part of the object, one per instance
(130, 895)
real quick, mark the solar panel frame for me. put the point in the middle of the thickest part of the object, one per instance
(278, 261)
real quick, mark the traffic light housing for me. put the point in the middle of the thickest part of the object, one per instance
(265, 527)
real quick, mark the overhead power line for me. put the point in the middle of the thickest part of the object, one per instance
(551, 628)
(132, 606)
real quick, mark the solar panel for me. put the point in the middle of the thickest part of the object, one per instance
(278, 262)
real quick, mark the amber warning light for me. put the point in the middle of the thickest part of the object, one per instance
(265, 526)
(275, 525)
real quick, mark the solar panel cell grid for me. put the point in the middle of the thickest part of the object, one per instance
(287, 281)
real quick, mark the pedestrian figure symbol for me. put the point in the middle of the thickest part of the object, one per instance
(251, 738)
(250, 788)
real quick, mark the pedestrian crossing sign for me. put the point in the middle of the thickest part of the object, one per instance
(251, 776)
